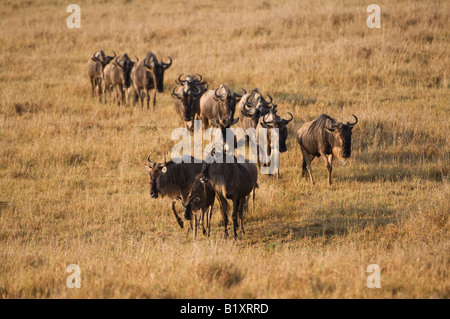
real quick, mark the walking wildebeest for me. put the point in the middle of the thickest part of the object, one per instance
(96, 64)
(172, 179)
(327, 138)
(233, 181)
(271, 121)
(200, 197)
(187, 98)
(219, 105)
(251, 107)
(148, 74)
(116, 76)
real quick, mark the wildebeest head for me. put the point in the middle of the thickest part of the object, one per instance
(256, 106)
(126, 65)
(189, 93)
(342, 133)
(227, 101)
(279, 123)
(100, 56)
(155, 172)
(157, 69)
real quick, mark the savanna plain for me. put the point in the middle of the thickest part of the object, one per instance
(74, 189)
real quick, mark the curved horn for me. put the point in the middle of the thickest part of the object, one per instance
(117, 62)
(180, 80)
(353, 124)
(167, 65)
(150, 161)
(175, 95)
(218, 96)
(270, 99)
(148, 66)
(292, 117)
(137, 59)
(264, 121)
(197, 93)
(200, 77)
(114, 54)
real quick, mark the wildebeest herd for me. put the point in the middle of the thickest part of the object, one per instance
(196, 183)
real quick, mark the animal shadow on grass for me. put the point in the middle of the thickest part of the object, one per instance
(330, 226)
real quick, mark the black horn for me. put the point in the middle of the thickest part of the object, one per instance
(167, 65)
(353, 124)
(287, 121)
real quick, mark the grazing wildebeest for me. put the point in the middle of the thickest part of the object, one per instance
(187, 98)
(219, 105)
(96, 64)
(200, 197)
(327, 138)
(233, 181)
(251, 107)
(148, 74)
(173, 179)
(116, 76)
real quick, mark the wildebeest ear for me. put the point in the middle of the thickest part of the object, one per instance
(196, 199)
(329, 130)
(148, 168)
(164, 169)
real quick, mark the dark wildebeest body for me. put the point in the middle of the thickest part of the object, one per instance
(96, 64)
(148, 74)
(251, 107)
(173, 179)
(187, 98)
(201, 197)
(327, 138)
(233, 181)
(117, 76)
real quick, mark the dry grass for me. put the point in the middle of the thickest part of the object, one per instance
(72, 178)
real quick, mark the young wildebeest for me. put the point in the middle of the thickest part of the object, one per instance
(201, 197)
(251, 107)
(233, 181)
(327, 138)
(187, 98)
(271, 121)
(96, 64)
(219, 105)
(172, 179)
(117, 76)
(148, 74)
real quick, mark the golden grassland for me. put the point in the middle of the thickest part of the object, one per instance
(74, 190)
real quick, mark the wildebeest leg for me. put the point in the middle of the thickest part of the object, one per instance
(241, 212)
(203, 220)
(93, 85)
(154, 99)
(179, 220)
(99, 89)
(253, 206)
(308, 158)
(328, 164)
(236, 204)
(208, 219)
(122, 95)
(195, 225)
(224, 205)
(147, 93)
(105, 92)
(330, 161)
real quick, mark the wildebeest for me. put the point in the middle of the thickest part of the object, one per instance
(218, 106)
(173, 179)
(116, 76)
(273, 121)
(148, 74)
(233, 181)
(96, 64)
(200, 197)
(327, 138)
(251, 107)
(187, 98)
